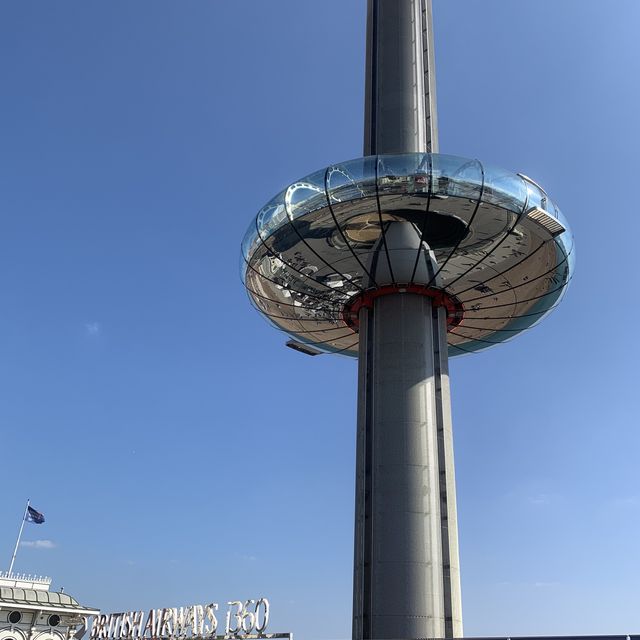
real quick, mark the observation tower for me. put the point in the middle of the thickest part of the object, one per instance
(404, 258)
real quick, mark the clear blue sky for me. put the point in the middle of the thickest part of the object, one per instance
(179, 452)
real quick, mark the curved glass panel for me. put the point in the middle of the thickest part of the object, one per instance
(351, 180)
(536, 196)
(455, 351)
(283, 314)
(358, 234)
(512, 326)
(403, 174)
(454, 176)
(566, 250)
(570, 249)
(560, 216)
(308, 244)
(250, 240)
(538, 312)
(552, 208)
(300, 248)
(505, 189)
(272, 216)
(250, 243)
(306, 195)
(242, 268)
(279, 282)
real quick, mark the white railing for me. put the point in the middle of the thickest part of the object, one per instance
(23, 577)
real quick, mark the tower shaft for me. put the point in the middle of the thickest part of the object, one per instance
(406, 570)
(407, 578)
(400, 86)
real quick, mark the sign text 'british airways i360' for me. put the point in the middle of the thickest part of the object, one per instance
(241, 620)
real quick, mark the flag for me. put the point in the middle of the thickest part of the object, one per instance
(34, 516)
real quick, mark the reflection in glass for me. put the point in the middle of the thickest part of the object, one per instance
(316, 245)
(536, 196)
(454, 176)
(306, 195)
(504, 189)
(250, 240)
(271, 216)
(351, 180)
(403, 174)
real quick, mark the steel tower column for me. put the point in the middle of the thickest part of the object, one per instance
(400, 87)
(406, 570)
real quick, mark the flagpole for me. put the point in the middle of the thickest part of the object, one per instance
(15, 551)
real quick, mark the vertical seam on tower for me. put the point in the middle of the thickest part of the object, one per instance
(442, 475)
(425, 76)
(419, 105)
(428, 52)
(373, 129)
(369, 479)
